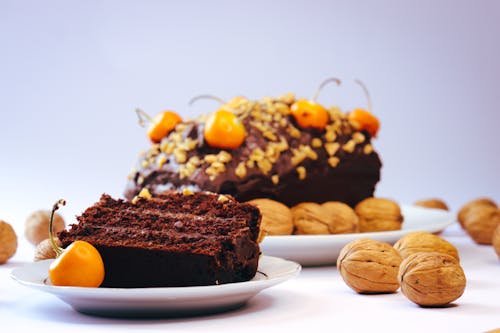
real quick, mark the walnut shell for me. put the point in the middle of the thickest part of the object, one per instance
(8, 242)
(369, 266)
(44, 250)
(496, 241)
(462, 213)
(343, 219)
(431, 279)
(432, 203)
(36, 227)
(311, 218)
(481, 222)
(276, 217)
(419, 241)
(377, 214)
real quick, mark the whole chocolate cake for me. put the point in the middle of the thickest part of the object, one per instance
(278, 159)
(175, 239)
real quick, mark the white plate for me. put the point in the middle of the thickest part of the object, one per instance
(314, 250)
(159, 302)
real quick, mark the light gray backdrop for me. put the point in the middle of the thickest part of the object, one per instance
(71, 73)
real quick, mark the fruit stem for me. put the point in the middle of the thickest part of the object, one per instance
(215, 98)
(143, 117)
(323, 84)
(56, 248)
(367, 94)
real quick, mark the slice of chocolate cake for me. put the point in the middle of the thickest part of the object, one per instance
(174, 239)
(278, 159)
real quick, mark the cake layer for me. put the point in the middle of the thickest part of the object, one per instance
(278, 159)
(163, 242)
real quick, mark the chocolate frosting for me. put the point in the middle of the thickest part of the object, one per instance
(348, 175)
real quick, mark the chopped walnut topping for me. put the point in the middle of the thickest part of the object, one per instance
(180, 155)
(144, 163)
(224, 157)
(293, 131)
(283, 122)
(358, 137)
(316, 143)
(275, 179)
(144, 193)
(332, 147)
(210, 158)
(333, 161)
(349, 146)
(161, 160)
(265, 166)
(302, 172)
(187, 191)
(288, 98)
(241, 170)
(140, 180)
(368, 149)
(222, 198)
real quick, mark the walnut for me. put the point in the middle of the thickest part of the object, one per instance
(44, 250)
(496, 241)
(369, 266)
(431, 279)
(462, 213)
(419, 241)
(377, 214)
(432, 203)
(276, 217)
(311, 218)
(480, 223)
(36, 227)
(344, 219)
(8, 242)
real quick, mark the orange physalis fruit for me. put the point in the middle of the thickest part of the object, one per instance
(365, 121)
(162, 124)
(224, 130)
(79, 265)
(309, 114)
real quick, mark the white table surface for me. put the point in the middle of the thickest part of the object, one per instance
(317, 300)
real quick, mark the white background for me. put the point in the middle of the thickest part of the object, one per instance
(71, 74)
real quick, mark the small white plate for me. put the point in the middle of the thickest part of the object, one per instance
(315, 250)
(159, 302)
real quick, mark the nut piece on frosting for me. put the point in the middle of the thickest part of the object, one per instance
(369, 266)
(377, 214)
(431, 279)
(311, 218)
(36, 227)
(8, 242)
(432, 203)
(464, 211)
(419, 241)
(276, 217)
(480, 223)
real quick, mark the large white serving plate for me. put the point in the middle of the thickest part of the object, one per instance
(159, 302)
(315, 250)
